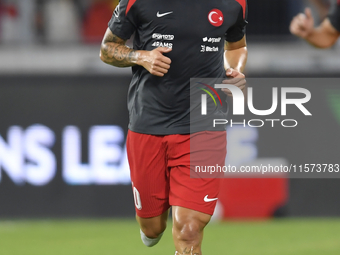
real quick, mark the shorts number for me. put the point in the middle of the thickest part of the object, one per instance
(136, 196)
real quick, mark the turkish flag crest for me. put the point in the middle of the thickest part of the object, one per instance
(215, 17)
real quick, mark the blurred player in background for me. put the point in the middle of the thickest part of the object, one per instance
(323, 36)
(174, 41)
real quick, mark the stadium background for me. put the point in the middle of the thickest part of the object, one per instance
(63, 122)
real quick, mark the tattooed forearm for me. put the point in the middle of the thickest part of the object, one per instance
(114, 51)
(118, 55)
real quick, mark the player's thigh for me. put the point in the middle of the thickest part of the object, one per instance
(149, 174)
(196, 194)
(187, 189)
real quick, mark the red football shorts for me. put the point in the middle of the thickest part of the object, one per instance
(160, 171)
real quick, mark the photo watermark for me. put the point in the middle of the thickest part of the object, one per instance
(273, 128)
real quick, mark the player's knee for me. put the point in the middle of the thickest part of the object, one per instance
(153, 227)
(188, 230)
(153, 230)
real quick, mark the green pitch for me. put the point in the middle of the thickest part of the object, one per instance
(121, 237)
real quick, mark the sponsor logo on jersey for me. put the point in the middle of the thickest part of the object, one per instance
(212, 40)
(159, 15)
(162, 37)
(205, 48)
(211, 49)
(215, 17)
(162, 44)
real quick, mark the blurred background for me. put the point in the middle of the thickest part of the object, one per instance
(62, 36)
(63, 125)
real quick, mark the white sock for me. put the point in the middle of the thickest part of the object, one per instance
(149, 242)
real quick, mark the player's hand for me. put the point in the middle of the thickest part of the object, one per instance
(302, 25)
(236, 78)
(154, 61)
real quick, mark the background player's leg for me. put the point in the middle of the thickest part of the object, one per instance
(187, 231)
(155, 226)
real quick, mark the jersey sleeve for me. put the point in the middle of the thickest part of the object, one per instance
(123, 21)
(334, 14)
(238, 30)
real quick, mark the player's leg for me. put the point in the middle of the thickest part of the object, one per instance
(155, 226)
(192, 211)
(152, 229)
(192, 195)
(187, 231)
(149, 176)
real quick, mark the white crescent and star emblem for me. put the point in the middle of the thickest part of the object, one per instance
(215, 17)
(210, 18)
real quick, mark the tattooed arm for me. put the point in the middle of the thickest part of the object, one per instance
(115, 52)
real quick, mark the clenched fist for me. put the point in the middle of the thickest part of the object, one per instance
(154, 61)
(236, 78)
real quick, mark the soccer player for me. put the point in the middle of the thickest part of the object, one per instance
(173, 42)
(323, 36)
